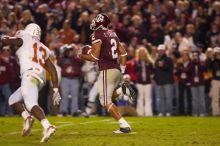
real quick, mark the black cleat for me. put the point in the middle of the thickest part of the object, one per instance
(123, 130)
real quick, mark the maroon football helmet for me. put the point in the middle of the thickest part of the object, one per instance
(101, 21)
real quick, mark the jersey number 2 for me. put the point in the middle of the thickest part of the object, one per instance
(114, 49)
(35, 58)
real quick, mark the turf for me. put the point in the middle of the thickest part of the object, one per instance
(97, 131)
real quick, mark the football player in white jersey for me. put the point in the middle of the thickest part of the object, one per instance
(34, 60)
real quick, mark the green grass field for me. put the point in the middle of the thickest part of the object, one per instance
(97, 131)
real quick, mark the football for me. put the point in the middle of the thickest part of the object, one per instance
(86, 49)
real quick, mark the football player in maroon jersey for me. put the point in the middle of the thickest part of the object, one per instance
(111, 57)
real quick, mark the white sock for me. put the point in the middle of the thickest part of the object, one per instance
(123, 123)
(90, 107)
(45, 123)
(25, 114)
(88, 110)
(119, 91)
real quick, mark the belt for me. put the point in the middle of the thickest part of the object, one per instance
(34, 75)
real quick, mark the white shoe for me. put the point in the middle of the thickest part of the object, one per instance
(160, 115)
(47, 133)
(84, 114)
(202, 115)
(28, 122)
(168, 114)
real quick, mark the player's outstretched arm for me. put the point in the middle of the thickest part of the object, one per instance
(6, 40)
(50, 67)
(94, 53)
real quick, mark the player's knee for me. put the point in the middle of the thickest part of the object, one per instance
(29, 100)
(30, 103)
(29, 106)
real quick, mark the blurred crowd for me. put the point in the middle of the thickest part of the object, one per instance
(173, 53)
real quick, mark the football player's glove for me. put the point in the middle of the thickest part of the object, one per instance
(56, 96)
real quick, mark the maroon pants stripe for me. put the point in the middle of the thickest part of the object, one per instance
(104, 87)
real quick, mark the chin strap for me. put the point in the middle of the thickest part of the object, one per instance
(101, 27)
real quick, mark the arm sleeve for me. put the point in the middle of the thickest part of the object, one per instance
(96, 37)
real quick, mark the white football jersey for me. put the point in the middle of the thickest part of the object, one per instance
(32, 55)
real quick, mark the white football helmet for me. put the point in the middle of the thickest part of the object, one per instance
(33, 29)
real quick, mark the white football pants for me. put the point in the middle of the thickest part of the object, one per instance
(28, 92)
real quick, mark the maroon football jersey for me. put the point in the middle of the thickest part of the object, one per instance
(108, 58)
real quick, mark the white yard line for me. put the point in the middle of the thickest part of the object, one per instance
(19, 132)
(38, 129)
(73, 133)
(67, 124)
(96, 121)
(133, 133)
(115, 122)
(63, 122)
